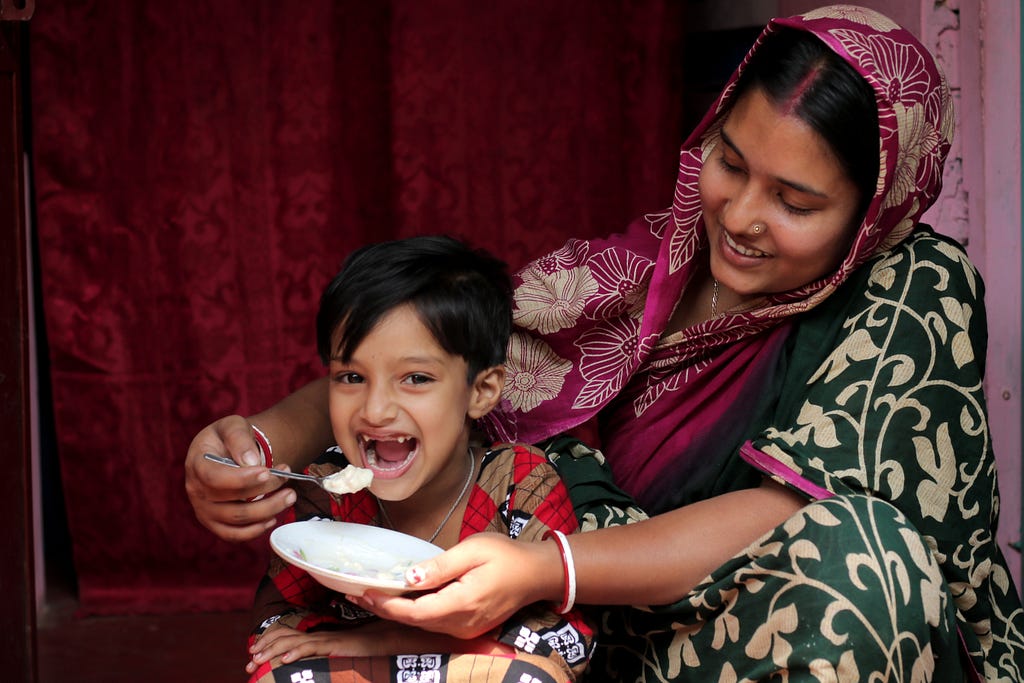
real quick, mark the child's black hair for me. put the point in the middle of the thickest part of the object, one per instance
(462, 295)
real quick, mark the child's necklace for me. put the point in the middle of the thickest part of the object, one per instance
(451, 510)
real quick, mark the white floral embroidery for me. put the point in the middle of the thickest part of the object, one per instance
(918, 140)
(939, 106)
(550, 302)
(606, 359)
(572, 252)
(861, 15)
(622, 277)
(535, 373)
(901, 72)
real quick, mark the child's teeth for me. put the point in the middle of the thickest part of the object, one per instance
(401, 439)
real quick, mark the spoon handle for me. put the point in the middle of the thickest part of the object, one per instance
(287, 475)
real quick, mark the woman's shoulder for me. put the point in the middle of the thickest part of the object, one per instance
(925, 261)
(925, 243)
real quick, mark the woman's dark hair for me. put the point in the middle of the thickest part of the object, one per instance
(462, 295)
(799, 73)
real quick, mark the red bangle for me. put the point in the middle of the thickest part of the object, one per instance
(263, 443)
(568, 570)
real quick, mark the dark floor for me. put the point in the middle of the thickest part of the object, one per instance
(198, 648)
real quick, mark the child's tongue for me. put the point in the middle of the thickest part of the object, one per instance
(392, 452)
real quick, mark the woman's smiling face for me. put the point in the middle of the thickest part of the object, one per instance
(771, 168)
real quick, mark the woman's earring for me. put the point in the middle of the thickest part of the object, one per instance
(758, 228)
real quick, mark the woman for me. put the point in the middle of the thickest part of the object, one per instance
(785, 371)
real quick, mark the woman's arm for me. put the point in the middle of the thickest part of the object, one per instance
(487, 578)
(671, 553)
(298, 429)
(299, 426)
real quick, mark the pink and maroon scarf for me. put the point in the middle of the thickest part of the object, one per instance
(590, 316)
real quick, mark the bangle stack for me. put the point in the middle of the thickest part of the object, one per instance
(568, 569)
(263, 443)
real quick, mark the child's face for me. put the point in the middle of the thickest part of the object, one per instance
(402, 407)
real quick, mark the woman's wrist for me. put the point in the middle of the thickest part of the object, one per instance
(568, 571)
(263, 445)
(298, 426)
(551, 579)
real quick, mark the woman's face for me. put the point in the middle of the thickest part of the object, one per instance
(771, 168)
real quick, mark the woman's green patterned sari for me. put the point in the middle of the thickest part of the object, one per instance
(863, 390)
(893, 572)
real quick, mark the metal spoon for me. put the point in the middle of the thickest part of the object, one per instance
(319, 481)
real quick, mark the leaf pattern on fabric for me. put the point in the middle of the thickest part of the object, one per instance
(658, 222)
(685, 240)
(894, 426)
(662, 380)
(897, 410)
(855, 348)
(752, 617)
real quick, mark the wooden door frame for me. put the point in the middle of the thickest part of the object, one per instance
(18, 619)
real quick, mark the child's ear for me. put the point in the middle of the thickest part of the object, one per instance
(486, 391)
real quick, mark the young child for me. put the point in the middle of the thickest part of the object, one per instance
(414, 333)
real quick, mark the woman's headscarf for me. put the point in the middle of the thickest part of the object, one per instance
(590, 314)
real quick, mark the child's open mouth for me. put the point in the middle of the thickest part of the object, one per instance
(388, 457)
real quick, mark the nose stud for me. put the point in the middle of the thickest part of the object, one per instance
(758, 228)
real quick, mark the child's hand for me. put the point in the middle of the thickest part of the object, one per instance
(287, 644)
(375, 639)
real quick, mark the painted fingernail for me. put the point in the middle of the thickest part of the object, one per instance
(415, 575)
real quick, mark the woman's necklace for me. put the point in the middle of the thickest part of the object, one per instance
(714, 298)
(451, 510)
(739, 308)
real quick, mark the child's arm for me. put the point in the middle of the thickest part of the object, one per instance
(377, 638)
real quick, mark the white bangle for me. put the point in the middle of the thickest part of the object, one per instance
(569, 569)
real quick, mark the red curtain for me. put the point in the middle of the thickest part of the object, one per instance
(201, 170)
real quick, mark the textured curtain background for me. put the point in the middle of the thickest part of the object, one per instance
(203, 168)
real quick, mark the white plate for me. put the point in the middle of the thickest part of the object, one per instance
(349, 558)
